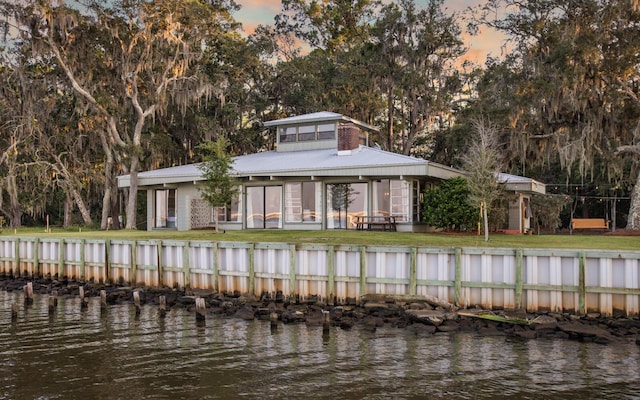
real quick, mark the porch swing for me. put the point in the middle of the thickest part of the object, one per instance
(588, 223)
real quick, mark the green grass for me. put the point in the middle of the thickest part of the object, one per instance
(334, 237)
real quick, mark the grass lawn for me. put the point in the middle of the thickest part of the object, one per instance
(547, 241)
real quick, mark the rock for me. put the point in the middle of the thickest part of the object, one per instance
(245, 313)
(584, 332)
(314, 318)
(448, 326)
(432, 317)
(293, 316)
(347, 323)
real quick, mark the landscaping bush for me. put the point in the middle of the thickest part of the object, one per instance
(448, 207)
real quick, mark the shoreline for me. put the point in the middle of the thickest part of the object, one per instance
(421, 316)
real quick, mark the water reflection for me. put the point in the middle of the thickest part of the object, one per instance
(76, 353)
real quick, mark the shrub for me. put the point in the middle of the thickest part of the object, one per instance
(448, 206)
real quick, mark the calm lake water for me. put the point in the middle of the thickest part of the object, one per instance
(78, 354)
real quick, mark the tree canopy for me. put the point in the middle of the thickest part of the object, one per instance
(92, 90)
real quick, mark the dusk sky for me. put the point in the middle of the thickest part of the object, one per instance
(255, 12)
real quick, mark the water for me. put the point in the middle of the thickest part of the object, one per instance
(80, 355)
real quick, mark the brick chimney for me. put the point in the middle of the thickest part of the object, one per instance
(348, 137)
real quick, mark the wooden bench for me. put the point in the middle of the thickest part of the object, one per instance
(589, 223)
(369, 222)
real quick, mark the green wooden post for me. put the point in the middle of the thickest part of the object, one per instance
(252, 269)
(292, 270)
(413, 271)
(83, 267)
(36, 257)
(216, 267)
(133, 262)
(107, 266)
(331, 271)
(160, 261)
(61, 259)
(457, 291)
(186, 265)
(363, 271)
(519, 282)
(582, 283)
(16, 258)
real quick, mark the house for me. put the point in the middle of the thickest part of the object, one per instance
(322, 175)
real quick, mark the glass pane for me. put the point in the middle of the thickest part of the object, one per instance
(327, 131)
(287, 135)
(293, 201)
(310, 197)
(381, 195)
(307, 133)
(400, 200)
(165, 212)
(345, 201)
(234, 211)
(273, 207)
(255, 207)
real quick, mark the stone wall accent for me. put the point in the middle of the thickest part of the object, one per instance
(200, 214)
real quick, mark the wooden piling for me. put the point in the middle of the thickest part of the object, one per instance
(136, 301)
(273, 317)
(84, 302)
(28, 293)
(54, 294)
(103, 301)
(201, 309)
(14, 311)
(52, 305)
(162, 312)
(326, 324)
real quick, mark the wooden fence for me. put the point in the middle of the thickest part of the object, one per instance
(533, 279)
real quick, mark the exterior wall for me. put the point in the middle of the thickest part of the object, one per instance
(183, 205)
(533, 279)
(187, 194)
(518, 221)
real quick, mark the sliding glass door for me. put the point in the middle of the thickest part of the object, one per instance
(264, 207)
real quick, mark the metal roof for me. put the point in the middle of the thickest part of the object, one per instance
(361, 162)
(364, 161)
(322, 116)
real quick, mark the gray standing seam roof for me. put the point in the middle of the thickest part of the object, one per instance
(295, 163)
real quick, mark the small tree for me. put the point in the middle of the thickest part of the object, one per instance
(482, 163)
(218, 188)
(546, 210)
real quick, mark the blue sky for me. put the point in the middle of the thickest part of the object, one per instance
(255, 12)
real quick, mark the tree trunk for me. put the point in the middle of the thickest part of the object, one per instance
(633, 221)
(14, 212)
(485, 219)
(68, 205)
(133, 193)
(84, 211)
(390, 118)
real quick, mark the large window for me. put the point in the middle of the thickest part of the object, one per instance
(264, 207)
(345, 201)
(302, 200)
(232, 212)
(165, 210)
(305, 133)
(391, 198)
